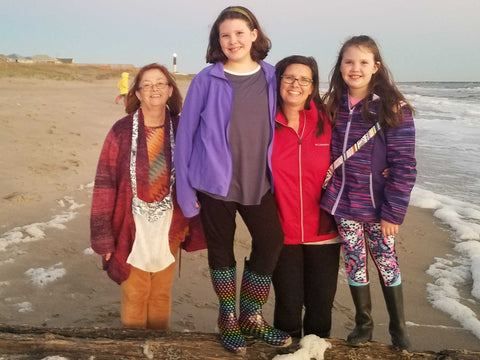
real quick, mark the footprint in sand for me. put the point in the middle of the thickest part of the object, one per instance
(187, 322)
(73, 162)
(206, 305)
(66, 165)
(52, 130)
(17, 197)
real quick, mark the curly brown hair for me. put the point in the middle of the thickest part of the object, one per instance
(174, 103)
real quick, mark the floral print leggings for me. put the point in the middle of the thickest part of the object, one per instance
(356, 237)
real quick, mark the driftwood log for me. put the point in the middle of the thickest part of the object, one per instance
(19, 343)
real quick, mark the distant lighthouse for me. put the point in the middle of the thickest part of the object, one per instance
(174, 63)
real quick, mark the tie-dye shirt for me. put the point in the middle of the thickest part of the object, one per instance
(158, 175)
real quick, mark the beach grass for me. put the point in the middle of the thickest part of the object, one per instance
(70, 72)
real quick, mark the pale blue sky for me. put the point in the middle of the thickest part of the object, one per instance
(420, 40)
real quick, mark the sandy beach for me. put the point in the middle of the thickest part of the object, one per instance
(51, 133)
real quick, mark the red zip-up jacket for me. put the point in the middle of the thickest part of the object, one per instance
(299, 163)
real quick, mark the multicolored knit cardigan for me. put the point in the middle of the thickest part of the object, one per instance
(111, 222)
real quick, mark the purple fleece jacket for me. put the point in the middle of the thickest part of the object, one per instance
(203, 160)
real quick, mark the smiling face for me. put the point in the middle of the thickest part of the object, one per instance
(154, 90)
(294, 95)
(357, 67)
(236, 40)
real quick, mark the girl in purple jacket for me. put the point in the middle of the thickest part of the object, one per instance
(368, 208)
(223, 166)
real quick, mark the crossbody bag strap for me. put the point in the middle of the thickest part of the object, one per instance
(350, 151)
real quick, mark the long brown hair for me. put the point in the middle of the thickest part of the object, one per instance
(174, 103)
(260, 47)
(280, 68)
(381, 84)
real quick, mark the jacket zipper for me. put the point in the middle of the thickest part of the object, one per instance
(300, 136)
(347, 131)
(371, 190)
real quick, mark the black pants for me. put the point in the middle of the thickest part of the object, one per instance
(306, 275)
(218, 219)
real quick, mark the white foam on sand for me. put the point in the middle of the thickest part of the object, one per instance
(24, 307)
(41, 276)
(90, 185)
(412, 324)
(36, 231)
(460, 270)
(88, 251)
(462, 217)
(7, 261)
(471, 249)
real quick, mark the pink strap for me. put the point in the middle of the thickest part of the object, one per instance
(352, 150)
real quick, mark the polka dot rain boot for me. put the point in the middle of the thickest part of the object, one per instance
(224, 284)
(253, 295)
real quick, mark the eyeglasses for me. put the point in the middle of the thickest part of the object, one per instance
(289, 79)
(150, 87)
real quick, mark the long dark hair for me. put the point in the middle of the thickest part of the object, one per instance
(280, 68)
(174, 103)
(389, 113)
(260, 47)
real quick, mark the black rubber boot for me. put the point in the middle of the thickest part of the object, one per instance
(398, 331)
(362, 333)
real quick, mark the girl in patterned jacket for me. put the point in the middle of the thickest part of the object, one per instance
(367, 207)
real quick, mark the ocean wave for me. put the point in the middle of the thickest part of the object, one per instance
(455, 289)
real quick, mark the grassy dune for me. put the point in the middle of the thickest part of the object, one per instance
(70, 72)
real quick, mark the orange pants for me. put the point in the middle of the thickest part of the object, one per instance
(146, 297)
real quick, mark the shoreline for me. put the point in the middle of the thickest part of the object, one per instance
(51, 139)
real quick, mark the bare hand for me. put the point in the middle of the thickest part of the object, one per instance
(386, 172)
(107, 256)
(388, 228)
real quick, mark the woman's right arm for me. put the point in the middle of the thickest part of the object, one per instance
(187, 130)
(104, 198)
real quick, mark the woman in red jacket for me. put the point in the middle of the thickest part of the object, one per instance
(306, 273)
